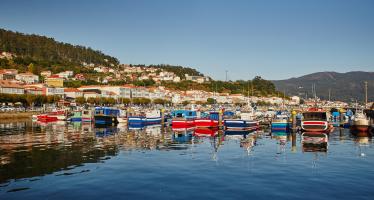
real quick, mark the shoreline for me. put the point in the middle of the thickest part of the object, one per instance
(17, 115)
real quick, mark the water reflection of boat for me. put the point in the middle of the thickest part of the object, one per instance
(314, 142)
(87, 127)
(154, 130)
(236, 135)
(205, 132)
(103, 131)
(280, 136)
(182, 136)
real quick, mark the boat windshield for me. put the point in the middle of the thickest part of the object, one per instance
(315, 116)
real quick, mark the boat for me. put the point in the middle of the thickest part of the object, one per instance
(106, 115)
(183, 118)
(245, 122)
(145, 119)
(76, 117)
(316, 120)
(360, 122)
(239, 124)
(208, 122)
(51, 116)
(46, 118)
(87, 115)
(335, 119)
(281, 122)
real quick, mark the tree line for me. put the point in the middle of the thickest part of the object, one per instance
(28, 99)
(48, 49)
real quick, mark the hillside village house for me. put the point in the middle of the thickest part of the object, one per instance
(33, 89)
(27, 78)
(54, 81)
(198, 79)
(46, 73)
(10, 87)
(49, 91)
(72, 93)
(6, 74)
(65, 74)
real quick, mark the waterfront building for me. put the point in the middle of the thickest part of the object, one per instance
(11, 87)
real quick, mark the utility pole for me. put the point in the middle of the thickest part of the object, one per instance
(226, 75)
(329, 94)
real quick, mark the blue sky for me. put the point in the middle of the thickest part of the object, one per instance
(274, 39)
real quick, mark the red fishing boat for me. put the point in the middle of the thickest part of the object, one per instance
(52, 116)
(208, 122)
(183, 119)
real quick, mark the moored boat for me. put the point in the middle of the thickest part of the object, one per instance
(183, 118)
(149, 118)
(208, 122)
(106, 115)
(280, 122)
(87, 115)
(360, 122)
(316, 120)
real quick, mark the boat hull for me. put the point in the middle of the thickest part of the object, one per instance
(143, 121)
(205, 123)
(316, 126)
(280, 126)
(240, 125)
(182, 123)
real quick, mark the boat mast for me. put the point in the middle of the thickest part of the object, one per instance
(366, 93)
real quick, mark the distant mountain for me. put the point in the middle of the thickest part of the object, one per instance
(40, 48)
(343, 86)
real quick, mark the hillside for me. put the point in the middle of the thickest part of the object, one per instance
(343, 86)
(41, 48)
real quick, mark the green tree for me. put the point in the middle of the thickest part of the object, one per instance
(80, 100)
(185, 103)
(210, 101)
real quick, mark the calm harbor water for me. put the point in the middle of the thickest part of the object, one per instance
(79, 161)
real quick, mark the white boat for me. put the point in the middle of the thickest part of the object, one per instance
(360, 122)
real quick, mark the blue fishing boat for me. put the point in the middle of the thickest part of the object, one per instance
(335, 119)
(149, 118)
(240, 124)
(281, 122)
(106, 115)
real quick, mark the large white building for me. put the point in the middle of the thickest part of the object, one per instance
(28, 78)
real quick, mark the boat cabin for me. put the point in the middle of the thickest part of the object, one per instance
(106, 111)
(315, 116)
(187, 114)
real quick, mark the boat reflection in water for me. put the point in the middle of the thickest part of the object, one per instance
(182, 135)
(314, 142)
(362, 141)
(205, 132)
(247, 138)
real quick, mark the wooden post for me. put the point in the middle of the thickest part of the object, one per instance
(162, 117)
(220, 116)
(293, 121)
(293, 149)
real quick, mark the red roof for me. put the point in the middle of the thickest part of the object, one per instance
(71, 90)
